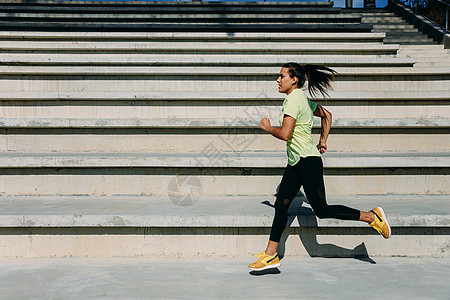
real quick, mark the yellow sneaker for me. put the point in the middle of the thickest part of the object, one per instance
(381, 223)
(265, 262)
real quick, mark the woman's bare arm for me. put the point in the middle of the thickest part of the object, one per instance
(326, 118)
(284, 133)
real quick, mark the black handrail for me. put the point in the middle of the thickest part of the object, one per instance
(443, 2)
(446, 13)
(414, 4)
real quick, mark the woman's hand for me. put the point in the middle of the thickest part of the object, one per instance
(322, 146)
(326, 118)
(264, 124)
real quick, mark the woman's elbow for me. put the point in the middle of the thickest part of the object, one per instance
(285, 137)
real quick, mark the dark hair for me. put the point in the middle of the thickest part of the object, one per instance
(318, 81)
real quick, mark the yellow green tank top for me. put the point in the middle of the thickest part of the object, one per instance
(301, 143)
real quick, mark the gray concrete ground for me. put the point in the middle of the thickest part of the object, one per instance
(224, 278)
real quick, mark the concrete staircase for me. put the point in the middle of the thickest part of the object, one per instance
(397, 30)
(131, 129)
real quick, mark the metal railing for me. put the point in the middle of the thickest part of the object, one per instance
(204, 0)
(431, 9)
(337, 3)
(446, 13)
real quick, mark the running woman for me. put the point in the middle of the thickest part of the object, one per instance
(304, 166)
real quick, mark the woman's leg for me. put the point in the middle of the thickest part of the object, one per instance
(289, 187)
(311, 172)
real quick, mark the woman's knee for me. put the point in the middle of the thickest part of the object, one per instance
(282, 205)
(323, 212)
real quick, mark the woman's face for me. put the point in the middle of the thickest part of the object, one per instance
(286, 83)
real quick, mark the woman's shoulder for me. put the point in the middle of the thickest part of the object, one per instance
(297, 95)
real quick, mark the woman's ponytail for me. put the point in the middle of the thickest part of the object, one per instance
(318, 80)
(319, 77)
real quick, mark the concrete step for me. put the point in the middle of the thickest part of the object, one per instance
(175, 7)
(396, 31)
(214, 141)
(126, 4)
(113, 26)
(242, 211)
(440, 72)
(169, 130)
(62, 226)
(197, 47)
(399, 33)
(221, 140)
(400, 27)
(222, 10)
(183, 18)
(422, 47)
(230, 159)
(432, 53)
(368, 11)
(432, 63)
(436, 56)
(180, 60)
(218, 122)
(219, 181)
(365, 13)
(272, 95)
(411, 37)
(362, 37)
(121, 79)
(118, 6)
(406, 41)
(244, 111)
(128, 83)
(382, 20)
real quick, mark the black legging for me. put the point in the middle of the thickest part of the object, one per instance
(309, 173)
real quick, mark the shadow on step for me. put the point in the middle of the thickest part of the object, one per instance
(308, 235)
(265, 272)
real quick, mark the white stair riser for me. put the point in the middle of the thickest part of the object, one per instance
(262, 46)
(216, 84)
(432, 63)
(390, 140)
(123, 182)
(192, 36)
(226, 60)
(235, 242)
(236, 110)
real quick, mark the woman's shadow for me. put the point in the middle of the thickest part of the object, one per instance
(307, 221)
